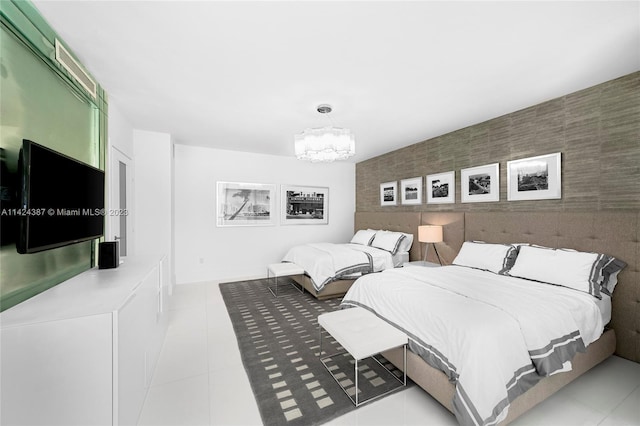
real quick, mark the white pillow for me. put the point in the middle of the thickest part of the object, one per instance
(610, 284)
(387, 240)
(496, 258)
(568, 268)
(364, 237)
(405, 244)
(609, 274)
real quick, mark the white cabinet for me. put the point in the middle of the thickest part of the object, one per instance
(135, 323)
(83, 352)
(57, 372)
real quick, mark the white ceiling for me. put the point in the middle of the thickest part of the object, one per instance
(247, 76)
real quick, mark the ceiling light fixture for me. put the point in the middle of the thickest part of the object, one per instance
(325, 144)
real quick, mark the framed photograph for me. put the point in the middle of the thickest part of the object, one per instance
(389, 193)
(480, 184)
(245, 204)
(411, 190)
(441, 188)
(304, 205)
(534, 178)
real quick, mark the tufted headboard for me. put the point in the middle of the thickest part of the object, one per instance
(399, 222)
(613, 233)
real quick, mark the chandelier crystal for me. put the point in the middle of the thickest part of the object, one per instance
(325, 144)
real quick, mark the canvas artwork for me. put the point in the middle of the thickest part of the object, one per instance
(534, 178)
(411, 190)
(480, 184)
(304, 205)
(441, 188)
(388, 193)
(245, 204)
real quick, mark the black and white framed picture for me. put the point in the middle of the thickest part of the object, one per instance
(535, 178)
(441, 188)
(480, 184)
(245, 204)
(389, 193)
(304, 205)
(411, 190)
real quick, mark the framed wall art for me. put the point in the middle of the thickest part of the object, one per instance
(535, 178)
(441, 188)
(411, 190)
(245, 204)
(480, 184)
(304, 205)
(389, 193)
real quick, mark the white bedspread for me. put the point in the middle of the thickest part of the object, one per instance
(325, 262)
(494, 336)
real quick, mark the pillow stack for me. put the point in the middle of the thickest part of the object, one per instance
(582, 271)
(393, 242)
(592, 273)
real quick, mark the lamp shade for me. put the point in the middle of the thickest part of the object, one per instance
(430, 233)
(325, 144)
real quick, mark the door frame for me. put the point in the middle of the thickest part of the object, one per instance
(115, 158)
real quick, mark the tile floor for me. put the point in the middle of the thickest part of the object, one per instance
(200, 380)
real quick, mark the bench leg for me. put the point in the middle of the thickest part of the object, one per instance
(356, 376)
(275, 277)
(276, 284)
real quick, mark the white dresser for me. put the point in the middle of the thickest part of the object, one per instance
(84, 351)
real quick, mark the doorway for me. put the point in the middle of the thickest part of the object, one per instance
(119, 220)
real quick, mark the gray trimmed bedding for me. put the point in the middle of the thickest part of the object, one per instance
(327, 262)
(495, 337)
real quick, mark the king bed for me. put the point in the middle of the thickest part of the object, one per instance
(559, 332)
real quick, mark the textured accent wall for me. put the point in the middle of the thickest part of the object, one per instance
(596, 129)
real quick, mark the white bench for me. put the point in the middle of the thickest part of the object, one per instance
(276, 270)
(362, 334)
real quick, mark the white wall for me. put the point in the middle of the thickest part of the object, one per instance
(205, 252)
(120, 131)
(153, 197)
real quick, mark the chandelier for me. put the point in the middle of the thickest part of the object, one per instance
(325, 144)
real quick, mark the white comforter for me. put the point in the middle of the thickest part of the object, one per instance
(494, 336)
(325, 262)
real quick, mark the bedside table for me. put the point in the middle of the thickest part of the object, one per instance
(421, 263)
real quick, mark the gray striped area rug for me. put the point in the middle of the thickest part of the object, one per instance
(278, 338)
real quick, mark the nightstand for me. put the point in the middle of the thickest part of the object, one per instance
(421, 263)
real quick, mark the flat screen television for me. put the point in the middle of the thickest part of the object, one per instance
(61, 200)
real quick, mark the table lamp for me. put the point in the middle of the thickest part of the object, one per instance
(430, 234)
